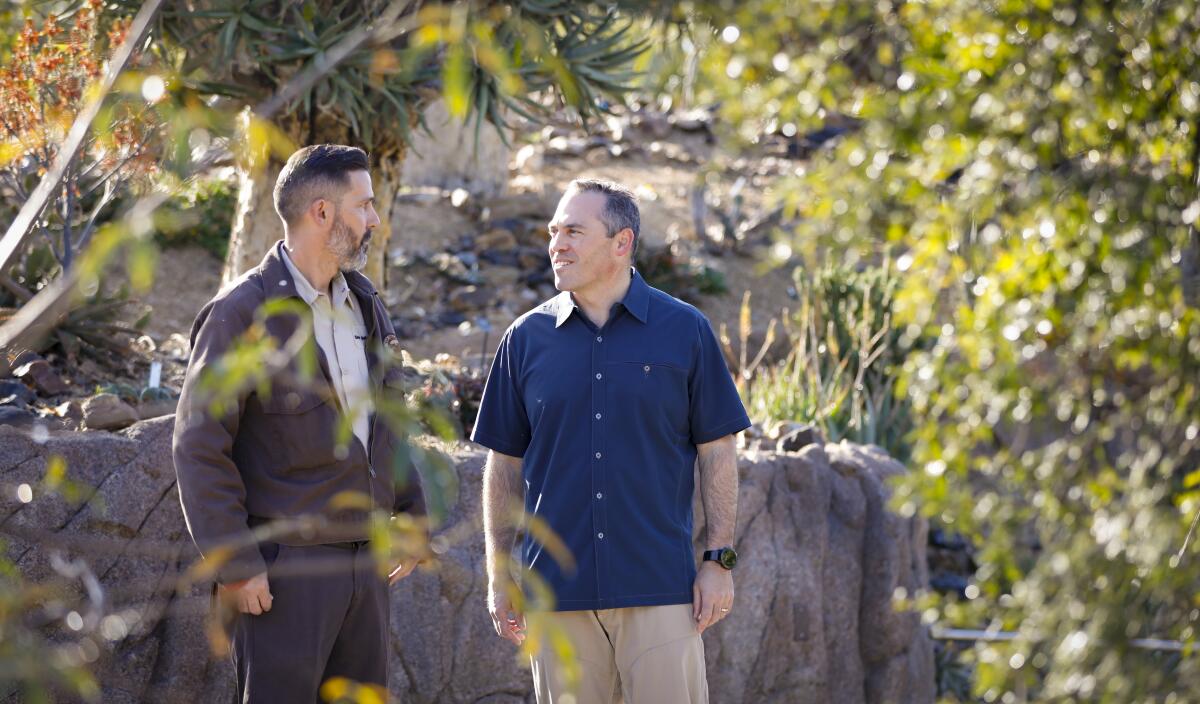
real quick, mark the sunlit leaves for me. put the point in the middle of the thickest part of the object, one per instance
(262, 140)
(1037, 179)
(340, 690)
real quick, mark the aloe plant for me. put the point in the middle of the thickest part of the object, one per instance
(490, 60)
(843, 353)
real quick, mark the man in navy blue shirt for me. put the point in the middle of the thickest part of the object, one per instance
(598, 405)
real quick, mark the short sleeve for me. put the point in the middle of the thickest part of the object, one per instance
(716, 409)
(502, 424)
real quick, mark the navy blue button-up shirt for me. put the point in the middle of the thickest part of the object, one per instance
(607, 421)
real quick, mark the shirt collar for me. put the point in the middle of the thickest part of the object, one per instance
(636, 300)
(306, 291)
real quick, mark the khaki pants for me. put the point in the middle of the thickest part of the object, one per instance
(645, 654)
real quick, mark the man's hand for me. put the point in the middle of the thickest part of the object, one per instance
(712, 595)
(252, 596)
(509, 623)
(402, 570)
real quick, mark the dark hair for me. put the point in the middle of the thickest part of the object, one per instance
(620, 206)
(319, 171)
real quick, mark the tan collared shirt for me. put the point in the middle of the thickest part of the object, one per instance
(341, 334)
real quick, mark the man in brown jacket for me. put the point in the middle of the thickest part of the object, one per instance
(270, 462)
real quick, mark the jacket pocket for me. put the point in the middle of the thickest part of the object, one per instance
(303, 426)
(290, 401)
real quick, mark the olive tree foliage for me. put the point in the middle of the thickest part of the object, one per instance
(1033, 168)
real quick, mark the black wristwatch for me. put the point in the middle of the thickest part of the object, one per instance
(725, 557)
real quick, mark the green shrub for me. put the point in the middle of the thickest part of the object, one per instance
(843, 352)
(688, 280)
(201, 216)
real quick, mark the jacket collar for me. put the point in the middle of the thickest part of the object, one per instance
(278, 281)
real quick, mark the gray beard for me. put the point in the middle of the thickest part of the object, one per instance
(341, 245)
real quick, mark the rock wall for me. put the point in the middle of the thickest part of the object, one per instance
(813, 622)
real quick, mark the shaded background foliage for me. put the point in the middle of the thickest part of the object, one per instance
(1032, 168)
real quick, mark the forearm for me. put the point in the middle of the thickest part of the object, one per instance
(719, 490)
(501, 507)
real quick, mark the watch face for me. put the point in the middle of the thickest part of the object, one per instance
(728, 558)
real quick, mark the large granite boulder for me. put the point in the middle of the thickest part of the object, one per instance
(822, 558)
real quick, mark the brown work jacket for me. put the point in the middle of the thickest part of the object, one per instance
(272, 454)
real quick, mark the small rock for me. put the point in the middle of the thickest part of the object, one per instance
(693, 121)
(14, 393)
(528, 158)
(70, 410)
(108, 412)
(596, 156)
(518, 205)
(451, 267)
(448, 318)
(497, 278)
(570, 146)
(655, 123)
(421, 196)
(176, 346)
(533, 258)
(39, 372)
(156, 408)
(470, 298)
(16, 417)
(496, 239)
(500, 258)
(798, 438)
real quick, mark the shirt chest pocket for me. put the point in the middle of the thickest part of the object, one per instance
(649, 396)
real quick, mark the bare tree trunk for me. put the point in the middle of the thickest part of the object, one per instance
(385, 179)
(256, 225)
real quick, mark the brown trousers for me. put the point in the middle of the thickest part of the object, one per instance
(329, 618)
(639, 655)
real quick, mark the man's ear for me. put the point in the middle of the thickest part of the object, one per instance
(624, 240)
(321, 211)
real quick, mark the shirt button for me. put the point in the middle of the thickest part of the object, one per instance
(600, 338)
(597, 455)
(600, 536)
(599, 495)
(646, 368)
(599, 376)
(597, 416)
